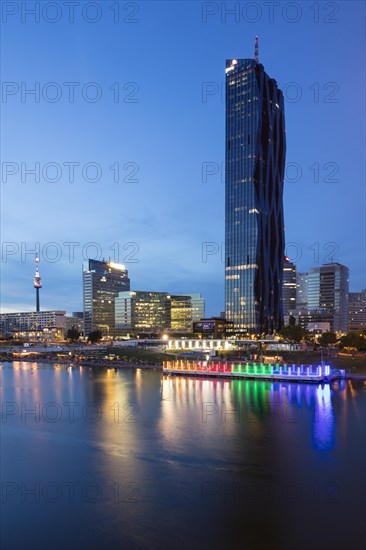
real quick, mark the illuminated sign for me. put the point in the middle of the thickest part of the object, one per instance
(121, 267)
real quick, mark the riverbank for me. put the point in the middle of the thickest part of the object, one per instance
(351, 373)
(85, 363)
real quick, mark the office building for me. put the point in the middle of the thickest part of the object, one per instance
(254, 174)
(156, 312)
(198, 306)
(328, 291)
(139, 312)
(102, 281)
(181, 313)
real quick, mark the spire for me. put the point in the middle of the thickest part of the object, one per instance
(256, 50)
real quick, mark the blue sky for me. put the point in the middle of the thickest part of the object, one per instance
(166, 130)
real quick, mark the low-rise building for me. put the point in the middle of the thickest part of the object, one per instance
(215, 327)
(43, 325)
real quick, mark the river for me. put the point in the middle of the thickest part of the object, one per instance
(120, 459)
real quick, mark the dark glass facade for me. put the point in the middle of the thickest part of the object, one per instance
(254, 227)
(102, 281)
(289, 288)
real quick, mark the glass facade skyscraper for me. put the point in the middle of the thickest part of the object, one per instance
(102, 281)
(254, 174)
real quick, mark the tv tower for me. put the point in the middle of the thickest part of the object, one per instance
(37, 284)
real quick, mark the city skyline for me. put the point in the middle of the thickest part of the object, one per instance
(161, 220)
(183, 294)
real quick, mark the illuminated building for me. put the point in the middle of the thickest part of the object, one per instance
(44, 325)
(215, 327)
(142, 311)
(198, 306)
(154, 312)
(357, 311)
(102, 281)
(182, 312)
(289, 287)
(328, 291)
(254, 228)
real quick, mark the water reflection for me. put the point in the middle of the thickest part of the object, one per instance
(324, 419)
(167, 438)
(231, 402)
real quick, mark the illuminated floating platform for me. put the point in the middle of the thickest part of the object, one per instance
(260, 371)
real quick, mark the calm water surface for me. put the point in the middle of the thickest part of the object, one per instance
(128, 459)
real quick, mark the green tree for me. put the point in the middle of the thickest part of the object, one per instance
(73, 334)
(352, 340)
(291, 321)
(327, 338)
(293, 333)
(95, 336)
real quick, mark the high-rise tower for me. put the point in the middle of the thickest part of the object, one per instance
(37, 283)
(102, 281)
(254, 228)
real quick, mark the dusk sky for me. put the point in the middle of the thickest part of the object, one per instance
(165, 130)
